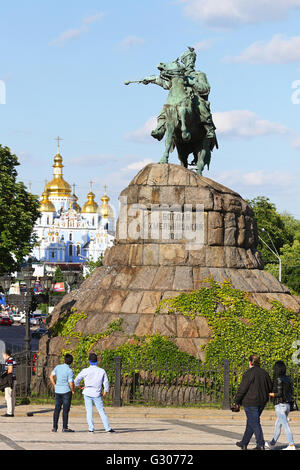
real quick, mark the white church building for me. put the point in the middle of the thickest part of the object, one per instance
(66, 232)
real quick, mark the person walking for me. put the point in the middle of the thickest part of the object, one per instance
(282, 395)
(10, 390)
(94, 379)
(62, 380)
(253, 395)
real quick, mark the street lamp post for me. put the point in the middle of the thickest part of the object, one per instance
(47, 282)
(5, 282)
(71, 278)
(29, 280)
(274, 251)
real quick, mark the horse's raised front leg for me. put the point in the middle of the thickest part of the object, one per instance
(168, 142)
(185, 134)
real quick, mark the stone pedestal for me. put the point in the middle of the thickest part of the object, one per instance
(175, 229)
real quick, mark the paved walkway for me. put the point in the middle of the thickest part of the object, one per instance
(137, 428)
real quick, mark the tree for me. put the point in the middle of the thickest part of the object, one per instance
(275, 227)
(290, 258)
(292, 225)
(58, 275)
(19, 212)
(281, 231)
(92, 265)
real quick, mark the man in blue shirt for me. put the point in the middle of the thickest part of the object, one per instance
(94, 378)
(62, 380)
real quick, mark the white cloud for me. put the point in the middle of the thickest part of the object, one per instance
(225, 14)
(143, 134)
(138, 165)
(296, 142)
(94, 18)
(131, 41)
(204, 45)
(245, 124)
(69, 35)
(256, 178)
(75, 33)
(279, 50)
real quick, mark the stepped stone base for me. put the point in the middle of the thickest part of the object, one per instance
(141, 270)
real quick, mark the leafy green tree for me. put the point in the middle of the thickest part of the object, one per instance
(290, 259)
(92, 265)
(272, 227)
(282, 233)
(18, 214)
(58, 275)
(291, 265)
(291, 224)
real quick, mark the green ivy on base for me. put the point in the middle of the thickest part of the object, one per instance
(239, 327)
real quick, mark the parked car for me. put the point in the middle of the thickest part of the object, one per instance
(18, 317)
(5, 321)
(35, 318)
(39, 332)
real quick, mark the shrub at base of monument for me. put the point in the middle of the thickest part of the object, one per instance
(239, 327)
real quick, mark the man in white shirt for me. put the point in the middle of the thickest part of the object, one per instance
(94, 378)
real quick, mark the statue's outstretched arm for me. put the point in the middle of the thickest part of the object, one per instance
(156, 80)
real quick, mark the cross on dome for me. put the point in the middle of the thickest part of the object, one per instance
(58, 141)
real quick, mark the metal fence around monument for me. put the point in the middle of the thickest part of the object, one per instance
(147, 383)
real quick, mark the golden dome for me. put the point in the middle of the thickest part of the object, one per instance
(91, 206)
(45, 204)
(105, 209)
(58, 186)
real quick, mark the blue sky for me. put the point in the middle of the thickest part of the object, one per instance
(64, 63)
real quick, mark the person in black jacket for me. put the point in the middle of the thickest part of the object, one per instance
(282, 395)
(253, 394)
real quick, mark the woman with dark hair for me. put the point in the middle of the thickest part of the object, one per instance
(282, 395)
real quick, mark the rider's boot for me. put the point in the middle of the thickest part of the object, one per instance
(210, 131)
(159, 132)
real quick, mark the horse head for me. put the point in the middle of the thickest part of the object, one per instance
(171, 69)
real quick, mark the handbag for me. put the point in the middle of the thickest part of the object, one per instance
(293, 405)
(235, 408)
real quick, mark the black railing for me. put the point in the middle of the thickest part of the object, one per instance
(147, 383)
